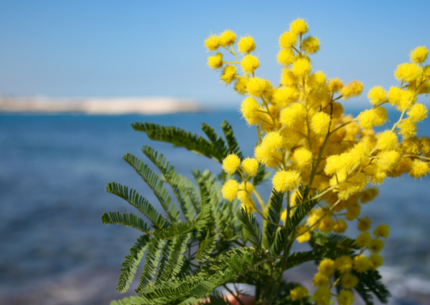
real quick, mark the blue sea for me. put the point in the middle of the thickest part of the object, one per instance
(53, 173)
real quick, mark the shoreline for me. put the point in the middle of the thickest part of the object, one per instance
(99, 106)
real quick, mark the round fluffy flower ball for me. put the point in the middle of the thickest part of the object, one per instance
(249, 63)
(327, 266)
(302, 157)
(343, 263)
(361, 263)
(364, 224)
(382, 231)
(408, 72)
(285, 57)
(322, 295)
(299, 26)
(246, 44)
(250, 166)
(212, 43)
(287, 40)
(419, 169)
(256, 86)
(215, 61)
(228, 74)
(418, 112)
(286, 181)
(311, 45)
(230, 164)
(363, 240)
(387, 140)
(301, 67)
(345, 297)
(230, 189)
(320, 122)
(377, 94)
(298, 293)
(249, 109)
(419, 55)
(227, 38)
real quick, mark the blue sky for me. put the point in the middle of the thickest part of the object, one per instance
(155, 48)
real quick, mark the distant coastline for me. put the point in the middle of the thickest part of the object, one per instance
(109, 106)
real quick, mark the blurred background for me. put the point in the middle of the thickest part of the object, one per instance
(75, 74)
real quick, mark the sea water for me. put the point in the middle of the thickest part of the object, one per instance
(53, 173)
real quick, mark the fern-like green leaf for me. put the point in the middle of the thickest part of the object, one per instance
(175, 261)
(217, 142)
(233, 147)
(179, 137)
(177, 229)
(250, 227)
(131, 262)
(178, 183)
(138, 202)
(303, 208)
(152, 261)
(156, 185)
(332, 240)
(370, 282)
(299, 258)
(206, 247)
(129, 220)
(274, 208)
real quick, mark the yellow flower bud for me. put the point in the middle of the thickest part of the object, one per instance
(418, 112)
(419, 55)
(285, 57)
(250, 166)
(361, 263)
(364, 240)
(249, 63)
(212, 43)
(227, 38)
(348, 280)
(246, 44)
(382, 231)
(376, 246)
(377, 95)
(343, 263)
(228, 74)
(340, 226)
(322, 295)
(303, 234)
(408, 72)
(230, 164)
(311, 45)
(230, 189)
(364, 224)
(298, 27)
(345, 297)
(287, 40)
(286, 181)
(387, 140)
(320, 280)
(215, 61)
(240, 85)
(326, 266)
(245, 191)
(301, 67)
(419, 169)
(256, 86)
(376, 261)
(298, 293)
(320, 123)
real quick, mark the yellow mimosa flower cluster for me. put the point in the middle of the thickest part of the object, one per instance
(306, 138)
